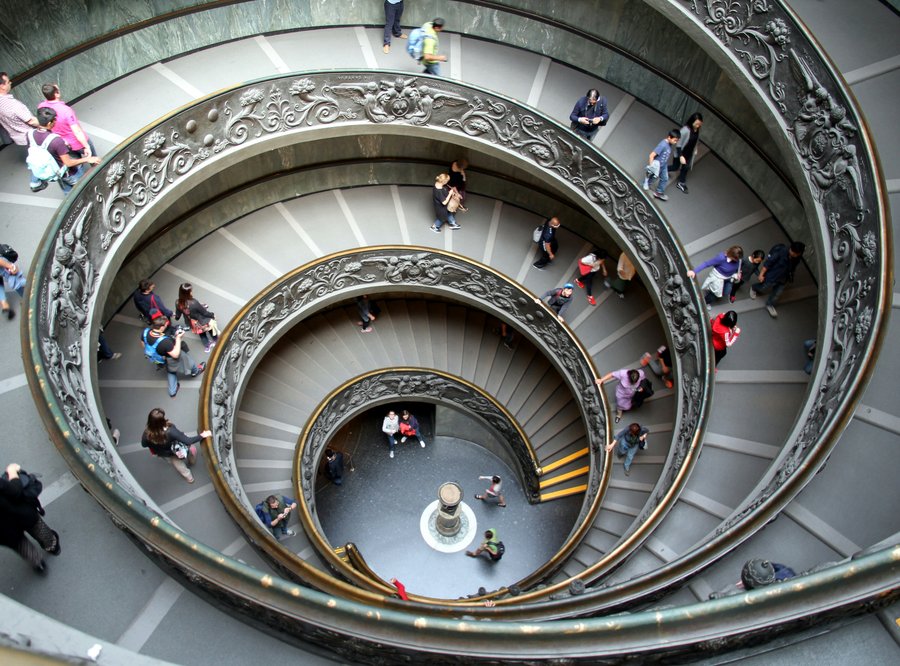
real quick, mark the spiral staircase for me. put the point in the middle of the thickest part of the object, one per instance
(235, 252)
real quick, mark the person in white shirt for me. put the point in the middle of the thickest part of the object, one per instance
(493, 490)
(389, 427)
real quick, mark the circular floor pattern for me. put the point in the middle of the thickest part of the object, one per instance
(468, 528)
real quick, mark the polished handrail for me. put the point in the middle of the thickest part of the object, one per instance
(108, 212)
(361, 393)
(342, 275)
(868, 329)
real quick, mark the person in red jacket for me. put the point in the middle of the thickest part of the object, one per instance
(725, 333)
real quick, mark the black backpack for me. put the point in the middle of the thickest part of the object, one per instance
(500, 550)
(8, 253)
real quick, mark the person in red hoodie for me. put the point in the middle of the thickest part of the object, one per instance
(725, 333)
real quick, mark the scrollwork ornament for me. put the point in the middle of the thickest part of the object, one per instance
(729, 21)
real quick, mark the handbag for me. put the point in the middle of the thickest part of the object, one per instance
(538, 232)
(453, 204)
(197, 327)
(180, 450)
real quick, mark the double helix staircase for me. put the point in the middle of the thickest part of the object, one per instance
(758, 389)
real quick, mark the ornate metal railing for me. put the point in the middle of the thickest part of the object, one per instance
(342, 276)
(833, 155)
(418, 384)
(107, 214)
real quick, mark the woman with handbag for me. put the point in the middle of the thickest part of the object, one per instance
(628, 390)
(409, 427)
(725, 271)
(168, 442)
(444, 198)
(201, 320)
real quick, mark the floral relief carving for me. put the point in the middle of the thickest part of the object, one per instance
(144, 171)
(819, 122)
(730, 21)
(285, 303)
(817, 118)
(420, 384)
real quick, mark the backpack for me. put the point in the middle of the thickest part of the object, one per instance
(261, 512)
(8, 253)
(41, 163)
(500, 550)
(415, 43)
(150, 348)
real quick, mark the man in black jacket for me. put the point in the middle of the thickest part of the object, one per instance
(589, 115)
(777, 272)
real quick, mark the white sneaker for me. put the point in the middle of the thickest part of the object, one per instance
(392, 454)
(772, 311)
(402, 439)
(646, 184)
(422, 443)
(752, 294)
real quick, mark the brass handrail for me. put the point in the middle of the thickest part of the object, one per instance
(865, 328)
(336, 277)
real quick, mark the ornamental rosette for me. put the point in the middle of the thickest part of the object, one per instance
(540, 152)
(778, 32)
(114, 173)
(863, 323)
(868, 248)
(153, 143)
(302, 87)
(251, 97)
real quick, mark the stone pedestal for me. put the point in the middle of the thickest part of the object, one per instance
(448, 520)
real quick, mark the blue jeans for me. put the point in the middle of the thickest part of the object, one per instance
(392, 14)
(16, 282)
(623, 450)
(392, 440)
(104, 351)
(776, 291)
(68, 182)
(280, 528)
(432, 68)
(663, 179)
(451, 220)
(185, 364)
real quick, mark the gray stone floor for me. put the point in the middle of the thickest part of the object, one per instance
(114, 593)
(379, 506)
